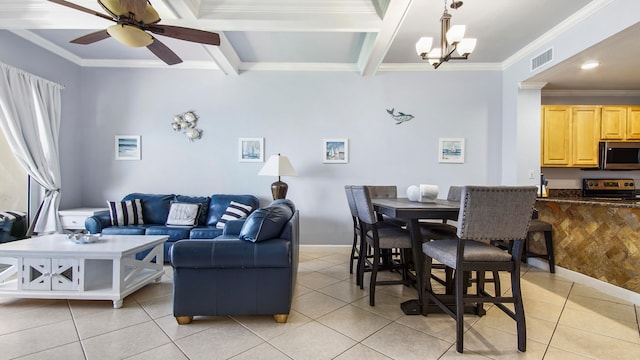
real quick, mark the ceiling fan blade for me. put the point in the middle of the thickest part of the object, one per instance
(164, 53)
(188, 34)
(91, 38)
(82, 8)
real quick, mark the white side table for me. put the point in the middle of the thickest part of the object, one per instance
(73, 219)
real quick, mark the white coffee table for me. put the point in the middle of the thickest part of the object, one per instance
(54, 267)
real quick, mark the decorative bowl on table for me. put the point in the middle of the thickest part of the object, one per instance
(84, 238)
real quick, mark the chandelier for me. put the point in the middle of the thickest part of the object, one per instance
(451, 39)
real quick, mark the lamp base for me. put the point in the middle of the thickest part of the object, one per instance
(279, 190)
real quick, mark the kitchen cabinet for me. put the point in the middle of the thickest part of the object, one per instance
(620, 123)
(570, 136)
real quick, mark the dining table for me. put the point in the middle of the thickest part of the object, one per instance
(411, 212)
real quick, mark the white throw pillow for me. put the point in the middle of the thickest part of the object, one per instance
(234, 211)
(183, 214)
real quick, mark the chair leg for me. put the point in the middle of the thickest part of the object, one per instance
(519, 311)
(426, 283)
(374, 275)
(362, 256)
(353, 253)
(480, 281)
(461, 281)
(496, 283)
(548, 239)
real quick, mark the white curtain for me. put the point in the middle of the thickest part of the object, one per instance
(30, 119)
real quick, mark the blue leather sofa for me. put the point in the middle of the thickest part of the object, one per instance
(155, 210)
(249, 270)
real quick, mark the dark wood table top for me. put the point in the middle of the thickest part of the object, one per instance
(402, 208)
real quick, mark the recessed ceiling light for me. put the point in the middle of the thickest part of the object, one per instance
(590, 65)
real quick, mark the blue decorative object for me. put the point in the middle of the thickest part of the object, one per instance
(400, 117)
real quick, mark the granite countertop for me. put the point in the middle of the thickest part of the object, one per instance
(633, 203)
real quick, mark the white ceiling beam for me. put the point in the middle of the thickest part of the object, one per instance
(225, 56)
(375, 47)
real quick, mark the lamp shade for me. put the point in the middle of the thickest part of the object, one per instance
(423, 46)
(466, 46)
(455, 34)
(278, 165)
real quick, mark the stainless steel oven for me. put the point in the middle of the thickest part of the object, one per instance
(609, 188)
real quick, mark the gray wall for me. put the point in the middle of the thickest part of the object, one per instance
(294, 112)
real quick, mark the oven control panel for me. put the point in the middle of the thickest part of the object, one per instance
(609, 184)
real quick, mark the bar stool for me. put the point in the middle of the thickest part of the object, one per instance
(545, 228)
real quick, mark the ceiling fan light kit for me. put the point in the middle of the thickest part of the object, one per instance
(130, 35)
(134, 19)
(451, 40)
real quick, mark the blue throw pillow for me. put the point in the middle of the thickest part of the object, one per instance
(265, 223)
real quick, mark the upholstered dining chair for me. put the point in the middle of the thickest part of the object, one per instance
(377, 191)
(375, 238)
(355, 250)
(487, 213)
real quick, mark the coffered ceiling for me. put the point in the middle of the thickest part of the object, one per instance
(364, 36)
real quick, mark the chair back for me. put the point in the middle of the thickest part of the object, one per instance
(383, 191)
(496, 212)
(455, 193)
(351, 201)
(362, 197)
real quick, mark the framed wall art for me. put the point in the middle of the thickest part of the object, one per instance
(251, 149)
(128, 147)
(451, 150)
(335, 151)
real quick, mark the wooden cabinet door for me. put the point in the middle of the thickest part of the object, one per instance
(613, 123)
(633, 123)
(585, 135)
(556, 134)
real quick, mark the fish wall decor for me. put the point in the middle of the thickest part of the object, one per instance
(400, 117)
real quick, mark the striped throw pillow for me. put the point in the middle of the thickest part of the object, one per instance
(234, 211)
(126, 212)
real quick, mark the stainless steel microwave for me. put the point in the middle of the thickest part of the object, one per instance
(615, 155)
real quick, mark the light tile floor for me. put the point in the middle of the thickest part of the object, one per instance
(331, 319)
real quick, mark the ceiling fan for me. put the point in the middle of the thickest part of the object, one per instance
(134, 20)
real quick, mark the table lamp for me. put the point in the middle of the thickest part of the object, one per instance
(278, 165)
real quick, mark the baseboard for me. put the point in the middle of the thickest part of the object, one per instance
(624, 294)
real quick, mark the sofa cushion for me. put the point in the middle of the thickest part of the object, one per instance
(204, 205)
(219, 203)
(175, 233)
(265, 223)
(234, 211)
(183, 214)
(205, 232)
(125, 230)
(155, 207)
(127, 212)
